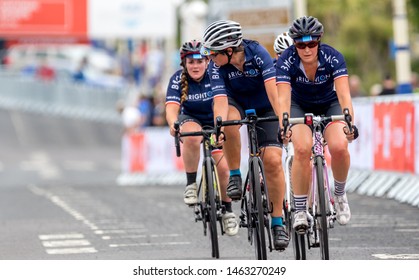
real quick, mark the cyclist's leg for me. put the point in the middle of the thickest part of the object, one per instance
(230, 224)
(190, 155)
(275, 179)
(340, 163)
(301, 168)
(232, 151)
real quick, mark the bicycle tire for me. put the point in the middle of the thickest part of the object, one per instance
(321, 214)
(258, 212)
(211, 208)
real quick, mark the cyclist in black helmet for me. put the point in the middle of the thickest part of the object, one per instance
(189, 101)
(243, 77)
(313, 78)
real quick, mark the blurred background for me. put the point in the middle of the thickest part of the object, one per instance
(87, 164)
(129, 48)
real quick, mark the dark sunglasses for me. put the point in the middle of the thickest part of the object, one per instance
(302, 46)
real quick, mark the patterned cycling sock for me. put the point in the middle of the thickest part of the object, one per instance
(190, 178)
(227, 205)
(235, 172)
(340, 188)
(300, 202)
(276, 221)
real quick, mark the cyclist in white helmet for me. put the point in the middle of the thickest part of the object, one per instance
(243, 77)
(282, 42)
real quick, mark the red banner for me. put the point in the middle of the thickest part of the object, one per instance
(394, 136)
(43, 18)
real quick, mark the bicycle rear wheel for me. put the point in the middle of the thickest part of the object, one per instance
(257, 210)
(321, 214)
(211, 207)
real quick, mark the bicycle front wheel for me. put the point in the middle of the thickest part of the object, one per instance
(321, 214)
(211, 206)
(257, 210)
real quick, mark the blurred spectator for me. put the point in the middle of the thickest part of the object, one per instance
(45, 72)
(130, 116)
(376, 89)
(356, 86)
(159, 117)
(79, 75)
(388, 86)
(145, 107)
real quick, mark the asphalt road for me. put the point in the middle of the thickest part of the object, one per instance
(59, 200)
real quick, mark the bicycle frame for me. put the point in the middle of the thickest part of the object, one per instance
(320, 205)
(255, 205)
(209, 210)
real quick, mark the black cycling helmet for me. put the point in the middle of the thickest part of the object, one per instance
(306, 26)
(191, 48)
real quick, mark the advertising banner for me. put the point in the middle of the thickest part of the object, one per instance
(394, 136)
(361, 149)
(43, 18)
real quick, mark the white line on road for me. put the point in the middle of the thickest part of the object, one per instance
(107, 237)
(63, 205)
(149, 244)
(67, 251)
(66, 243)
(61, 236)
(396, 256)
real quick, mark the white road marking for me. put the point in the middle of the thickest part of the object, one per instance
(66, 243)
(396, 256)
(107, 237)
(63, 205)
(41, 163)
(148, 244)
(407, 230)
(61, 236)
(66, 251)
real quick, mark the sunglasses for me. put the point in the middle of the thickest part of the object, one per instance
(210, 53)
(302, 46)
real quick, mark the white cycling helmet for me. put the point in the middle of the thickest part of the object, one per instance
(222, 34)
(282, 42)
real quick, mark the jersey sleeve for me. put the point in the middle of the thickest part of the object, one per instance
(282, 68)
(339, 66)
(264, 61)
(218, 86)
(174, 89)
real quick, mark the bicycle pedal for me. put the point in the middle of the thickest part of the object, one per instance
(301, 230)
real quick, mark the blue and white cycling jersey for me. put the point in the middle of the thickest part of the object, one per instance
(199, 102)
(321, 91)
(247, 88)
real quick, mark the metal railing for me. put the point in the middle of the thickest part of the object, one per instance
(60, 97)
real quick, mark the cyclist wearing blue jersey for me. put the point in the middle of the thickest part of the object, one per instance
(313, 78)
(189, 101)
(243, 77)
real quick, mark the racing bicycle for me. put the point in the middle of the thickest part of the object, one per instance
(209, 209)
(321, 214)
(255, 207)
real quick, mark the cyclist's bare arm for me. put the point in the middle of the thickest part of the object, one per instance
(172, 113)
(220, 109)
(284, 96)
